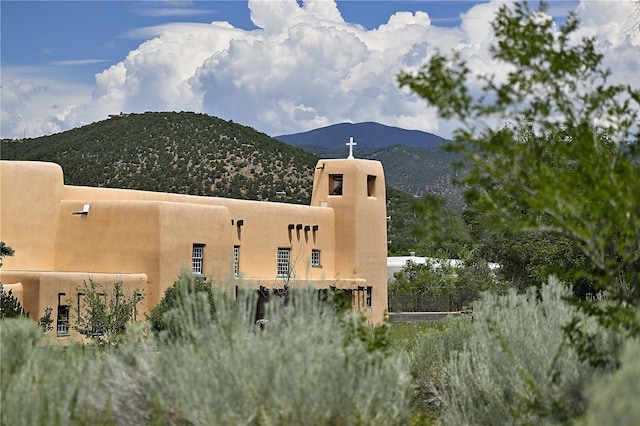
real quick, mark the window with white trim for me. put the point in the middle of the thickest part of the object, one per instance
(236, 260)
(315, 258)
(283, 259)
(197, 257)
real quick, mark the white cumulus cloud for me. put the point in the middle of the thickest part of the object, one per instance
(302, 68)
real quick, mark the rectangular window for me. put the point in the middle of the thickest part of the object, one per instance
(197, 258)
(62, 323)
(236, 260)
(135, 307)
(284, 255)
(315, 258)
(371, 186)
(335, 184)
(369, 297)
(80, 296)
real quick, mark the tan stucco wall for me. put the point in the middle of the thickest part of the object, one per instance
(30, 194)
(265, 228)
(40, 289)
(137, 233)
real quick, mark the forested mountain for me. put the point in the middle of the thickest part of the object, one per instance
(184, 152)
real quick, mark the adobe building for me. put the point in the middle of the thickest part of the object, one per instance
(65, 235)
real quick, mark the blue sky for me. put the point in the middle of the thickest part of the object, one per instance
(280, 66)
(86, 36)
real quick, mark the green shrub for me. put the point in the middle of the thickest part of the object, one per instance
(44, 385)
(517, 366)
(18, 336)
(300, 370)
(424, 287)
(163, 317)
(104, 318)
(303, 368)
(614, 398)
(428, 347)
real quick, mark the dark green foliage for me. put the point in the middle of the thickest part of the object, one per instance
(46, 321)
(425, 226)
(529, 258)
(164, 316)
(10, 306)
(355, 328)
(341, 300)
(5, 251)
(568, 165)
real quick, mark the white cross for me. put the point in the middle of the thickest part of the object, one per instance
(351, 144)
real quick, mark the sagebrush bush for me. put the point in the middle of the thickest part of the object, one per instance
(429, 357)
(303, 368)
(517, 366)
(42, 385)
(614, 399)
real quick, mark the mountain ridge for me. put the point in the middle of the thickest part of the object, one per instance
(366, 134)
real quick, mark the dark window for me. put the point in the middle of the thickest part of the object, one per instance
(371, 185)
(62, 323)
(236, 260)
(369, 297)
(315, 258)
(335, 184)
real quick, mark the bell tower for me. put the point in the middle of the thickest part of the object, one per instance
(355, 190)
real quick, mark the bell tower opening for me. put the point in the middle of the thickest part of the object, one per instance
(335, 184)
(371, 185)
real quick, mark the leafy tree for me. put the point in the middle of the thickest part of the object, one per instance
(441, 287)
(528, 258)
(186, 288)
(553, 147)
(104, 317)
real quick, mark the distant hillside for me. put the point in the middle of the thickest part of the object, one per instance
(421, 171)
(367, 135)
(183, 152)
